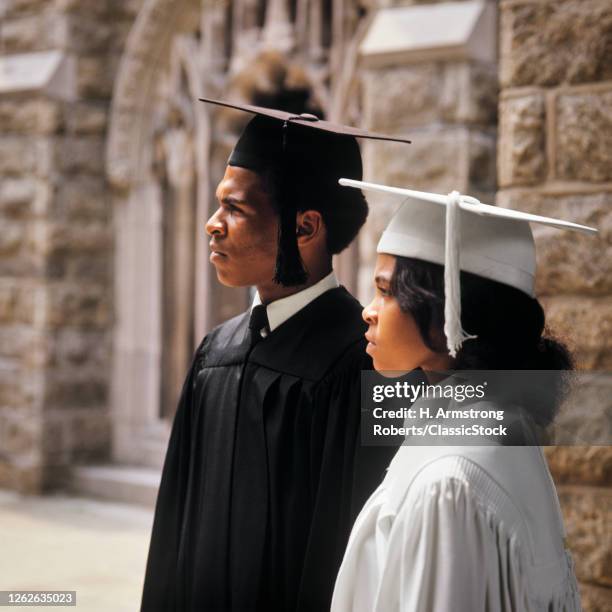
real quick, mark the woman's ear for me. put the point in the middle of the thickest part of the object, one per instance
(309, 226)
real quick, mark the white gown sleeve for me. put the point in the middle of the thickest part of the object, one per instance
(446, 554)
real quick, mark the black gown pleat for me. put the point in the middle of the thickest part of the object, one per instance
(264, 472)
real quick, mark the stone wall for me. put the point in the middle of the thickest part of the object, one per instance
(56, 308)
(555, 158)
(445, 99)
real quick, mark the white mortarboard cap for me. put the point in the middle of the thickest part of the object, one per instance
(461, 233)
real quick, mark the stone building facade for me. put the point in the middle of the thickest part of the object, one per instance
(555, 138)
(108, 167)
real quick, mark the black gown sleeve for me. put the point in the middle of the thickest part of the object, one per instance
(160, 579)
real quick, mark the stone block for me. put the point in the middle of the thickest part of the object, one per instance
(21, 34)
(17, 155)
(11, 391)
(89, 267)
(7, 474)
(21, 265)
(83, 31)
(8, 301)
(12, 237)
(569, 262)
(411, 97)
(121, 31)
(522, 141)
(24, 477)
(555, 41)
(20, 388)
(88, 33)
(81, 306)
(16, 341)
(437, 160)
(79, 251)
(75, 390)
(585, 416)
(16, 301)
(428, 93)
(86, 118)
(127, 8)
(80, 154)
(595, 599)
(587, 513)
(78, 238)
(16, 196)
(82, 7)
(470, 93)
(29, 478)
(95, 75)
(25, 155)
(21, 430)
(76, 348)
(586, 325)
(18, 249)
(29, 116)
(39, 31)
(90, 435)
(55, 438)
(586, 465)
(16, 8)
(482, 162)
(584, 135)
(84, 197)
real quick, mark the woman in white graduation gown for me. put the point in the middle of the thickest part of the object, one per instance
(460, 528)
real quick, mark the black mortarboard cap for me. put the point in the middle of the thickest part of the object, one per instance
(306, 155)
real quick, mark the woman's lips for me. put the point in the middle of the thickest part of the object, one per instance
(371, 343)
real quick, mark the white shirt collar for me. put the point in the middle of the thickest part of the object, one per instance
(281, 310)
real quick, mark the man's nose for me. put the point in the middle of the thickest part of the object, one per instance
(215, 225)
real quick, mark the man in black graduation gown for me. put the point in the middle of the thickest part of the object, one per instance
(264, 473)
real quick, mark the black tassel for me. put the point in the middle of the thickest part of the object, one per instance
(289, 265)
(289, 270)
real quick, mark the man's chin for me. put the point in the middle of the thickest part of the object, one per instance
(229, 280)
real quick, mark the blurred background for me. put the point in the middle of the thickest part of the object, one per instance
(108, 167)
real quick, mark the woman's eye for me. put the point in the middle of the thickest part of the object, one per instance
(383, 290)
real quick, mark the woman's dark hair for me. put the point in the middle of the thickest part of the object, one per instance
(509, 324)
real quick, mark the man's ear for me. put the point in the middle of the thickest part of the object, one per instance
(310, 226)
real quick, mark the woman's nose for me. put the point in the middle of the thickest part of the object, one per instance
(215, 225)
(369, 314)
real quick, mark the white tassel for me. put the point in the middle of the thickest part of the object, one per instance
(455, 335)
